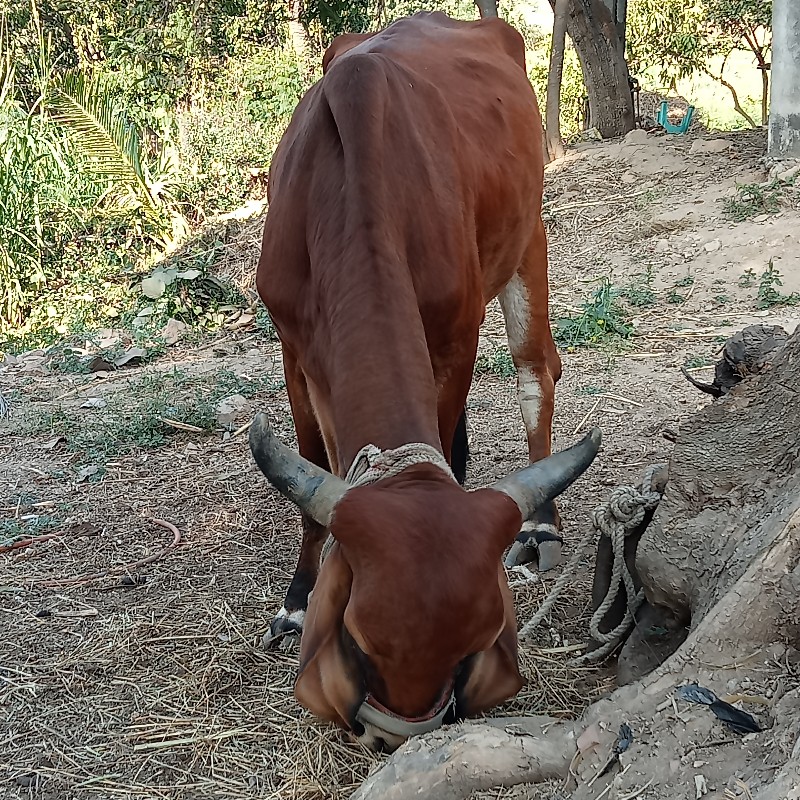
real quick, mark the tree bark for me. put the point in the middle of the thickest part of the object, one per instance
(594, 33)
(499, 752)
(555, 146)
(619, 13)
(734, 480)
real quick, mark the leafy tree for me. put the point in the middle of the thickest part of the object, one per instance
(684, 38)
(596, 33)
(746, 24)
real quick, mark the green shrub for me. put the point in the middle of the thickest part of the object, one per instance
(498, 362)
(225, 140)
(601, 321)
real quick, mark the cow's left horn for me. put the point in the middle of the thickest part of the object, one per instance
(314, 490)
(541, 482)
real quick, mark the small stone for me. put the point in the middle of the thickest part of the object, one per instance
(709, 146)
(662, 246)
(636, 136)
(94, 402)
(32, 364)
(761, 218)
(789, 174)
(712, 246)
(173, 331)
(233, 408)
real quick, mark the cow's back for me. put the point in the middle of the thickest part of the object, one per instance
(418, 155)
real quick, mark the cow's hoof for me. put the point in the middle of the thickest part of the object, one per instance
(286, 624)
(539, 542)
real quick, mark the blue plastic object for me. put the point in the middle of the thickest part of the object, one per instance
(681, 127)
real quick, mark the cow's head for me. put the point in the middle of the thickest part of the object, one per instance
(411, 622)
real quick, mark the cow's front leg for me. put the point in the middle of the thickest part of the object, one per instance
(289, 620)
(525, 307)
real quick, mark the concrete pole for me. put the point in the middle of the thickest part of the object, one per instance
(784, 111)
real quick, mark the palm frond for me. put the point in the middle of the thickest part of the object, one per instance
(102, 131)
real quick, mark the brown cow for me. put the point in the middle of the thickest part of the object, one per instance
(406, 194)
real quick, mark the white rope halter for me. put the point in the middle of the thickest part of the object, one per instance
(372, 464)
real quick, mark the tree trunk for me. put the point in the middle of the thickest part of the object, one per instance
(619, 13)
(487, 8)
(555, 146)
(721, 556)
(298, 35)
(784, 110)
(734, 480)
(594, 33)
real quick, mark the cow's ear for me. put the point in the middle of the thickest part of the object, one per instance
(340, 45)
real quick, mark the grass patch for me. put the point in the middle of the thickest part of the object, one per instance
(134, 418)
(498, 363)
(673, 296)
(641, 294)
(747, 279)
(696, 362)
(12, 530)
(601, 321)
(768, 294)
(752, 199)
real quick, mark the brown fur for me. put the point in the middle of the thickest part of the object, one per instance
(404, 195)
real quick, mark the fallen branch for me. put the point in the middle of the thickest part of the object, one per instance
(80, 580)
(27, 542)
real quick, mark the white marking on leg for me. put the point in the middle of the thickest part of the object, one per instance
(516, 307)
(529, 393)
(297, 617)
(515, 302)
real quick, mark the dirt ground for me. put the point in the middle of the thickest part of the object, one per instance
(152, 682)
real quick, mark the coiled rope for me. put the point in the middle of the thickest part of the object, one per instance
(621, 516)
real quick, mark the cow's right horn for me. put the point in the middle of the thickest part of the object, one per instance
(541, 482)
(312, 489)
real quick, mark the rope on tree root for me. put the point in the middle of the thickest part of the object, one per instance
(619, 517)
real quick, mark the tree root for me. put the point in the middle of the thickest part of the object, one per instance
(452, 763)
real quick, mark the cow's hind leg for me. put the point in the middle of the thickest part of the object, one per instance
(525, 307)
(311, 446)
(459, 455)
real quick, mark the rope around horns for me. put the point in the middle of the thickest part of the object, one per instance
(618, 518)
(372, 464)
